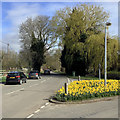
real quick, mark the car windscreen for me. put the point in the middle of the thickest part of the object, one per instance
(13, 74)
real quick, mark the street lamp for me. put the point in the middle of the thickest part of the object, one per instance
(106, 25)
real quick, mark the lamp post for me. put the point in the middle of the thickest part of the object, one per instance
(106, 25)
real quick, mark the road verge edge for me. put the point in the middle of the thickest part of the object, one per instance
(84, 101)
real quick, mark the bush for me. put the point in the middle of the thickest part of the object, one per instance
(113, 75)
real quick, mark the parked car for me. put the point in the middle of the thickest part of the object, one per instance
(34, 74)
(16, 77)
(47, 72)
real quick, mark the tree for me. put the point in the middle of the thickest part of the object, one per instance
(73, 62)
(95, 51)
(9, 60)
(81, 20)
(82, 23)
(36, 37)
(112, 54)
(25, 60)
(53, 59)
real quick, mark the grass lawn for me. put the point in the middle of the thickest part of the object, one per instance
(84, 77)
(3, 79)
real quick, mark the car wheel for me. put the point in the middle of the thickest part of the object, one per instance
(25, 81)
(21, 82)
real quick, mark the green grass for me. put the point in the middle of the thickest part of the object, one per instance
(84, 77)
(3, 79)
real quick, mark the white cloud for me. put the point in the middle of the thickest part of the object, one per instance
(16, 16)
(13, 40)
(19, 12)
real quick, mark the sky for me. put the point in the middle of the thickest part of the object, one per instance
(14, 13)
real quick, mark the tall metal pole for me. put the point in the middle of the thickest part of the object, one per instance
(106, 26)
(105, 81)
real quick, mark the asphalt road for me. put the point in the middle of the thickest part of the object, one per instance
(19, 101)
(103, 109)
(30, 100)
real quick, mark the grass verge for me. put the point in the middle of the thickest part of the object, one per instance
(84, 77)
(2, 79)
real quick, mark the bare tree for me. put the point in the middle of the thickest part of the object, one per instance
(37, 37)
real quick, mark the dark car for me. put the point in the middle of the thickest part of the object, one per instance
(35, 74)
(47, 72)
(16, 77)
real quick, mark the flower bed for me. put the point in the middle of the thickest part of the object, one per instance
(86, 89)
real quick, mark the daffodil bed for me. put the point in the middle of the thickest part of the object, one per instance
(87, 89)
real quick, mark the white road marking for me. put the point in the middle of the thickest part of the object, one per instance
(43, 106)
(30, 116)
(46, 103)
(15, 91)
(10, 93)
(37, 111)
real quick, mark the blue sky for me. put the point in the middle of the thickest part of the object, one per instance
(14, 13)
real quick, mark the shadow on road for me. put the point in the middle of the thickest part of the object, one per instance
(10, 83)
(2, 82)
(53, 74)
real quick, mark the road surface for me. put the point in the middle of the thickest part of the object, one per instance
(30, 100)
(21, 100)
(103, 109)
